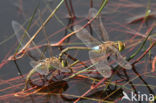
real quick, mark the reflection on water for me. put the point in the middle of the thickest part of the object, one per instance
(63, 91)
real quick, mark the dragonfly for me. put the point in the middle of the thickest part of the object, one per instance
(102, 52)
(39, 61)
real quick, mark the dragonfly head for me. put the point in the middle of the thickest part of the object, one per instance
(120, 45)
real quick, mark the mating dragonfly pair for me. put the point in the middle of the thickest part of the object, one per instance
(99, 52)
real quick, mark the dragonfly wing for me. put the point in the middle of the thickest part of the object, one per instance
(23, 37)
(42, 68)
(34, 63)
(19, 32)
(85, 37)
(97, 24)
(102, 65)
(58, 66)
(118, 58)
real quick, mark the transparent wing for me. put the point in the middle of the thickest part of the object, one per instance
(97, 24)
(119, 59)
(23, 37)
(42, 68)
(86, 38)
(102, 65)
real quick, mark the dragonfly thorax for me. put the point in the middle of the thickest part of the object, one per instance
(54, 62)
(104, 47)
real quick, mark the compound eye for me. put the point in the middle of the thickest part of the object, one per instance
(121, 45)
(64, 63)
